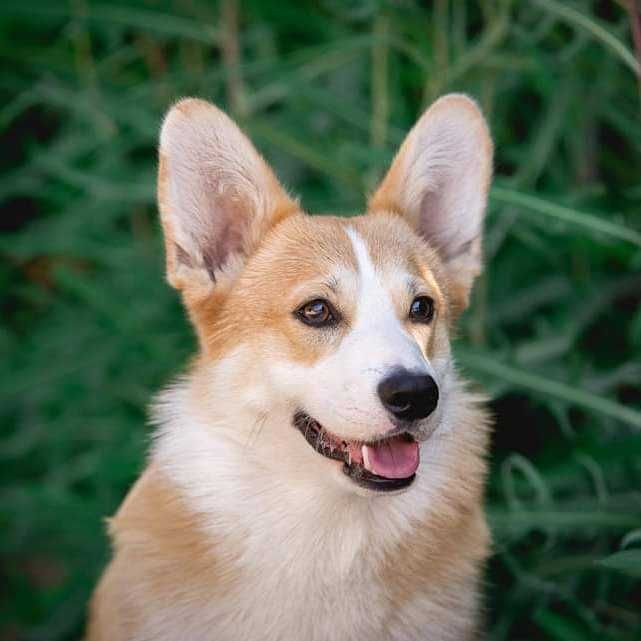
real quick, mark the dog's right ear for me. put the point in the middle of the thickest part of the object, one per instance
(439, 183)
(216, 194)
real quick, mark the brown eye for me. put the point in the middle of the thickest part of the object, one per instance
(422, 309)
(317, 313)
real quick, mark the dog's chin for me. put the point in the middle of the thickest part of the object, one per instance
(384, 466)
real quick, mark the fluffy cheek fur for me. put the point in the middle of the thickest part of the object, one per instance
(240, 399)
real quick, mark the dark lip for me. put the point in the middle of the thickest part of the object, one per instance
(315, 434)
(365, 478)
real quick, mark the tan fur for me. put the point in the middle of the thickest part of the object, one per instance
(238, 529)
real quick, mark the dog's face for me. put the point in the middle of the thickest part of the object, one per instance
(325, 341)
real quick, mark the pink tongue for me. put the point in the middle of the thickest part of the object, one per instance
(394, 459)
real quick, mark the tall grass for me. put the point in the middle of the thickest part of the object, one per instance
(327, 90)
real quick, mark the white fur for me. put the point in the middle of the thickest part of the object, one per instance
(378, 335)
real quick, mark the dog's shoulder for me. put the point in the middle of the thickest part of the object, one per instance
(156, 520)
(163, 560)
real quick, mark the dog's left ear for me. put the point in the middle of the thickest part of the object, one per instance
(439, 182)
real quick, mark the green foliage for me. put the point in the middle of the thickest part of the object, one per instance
(327, 90)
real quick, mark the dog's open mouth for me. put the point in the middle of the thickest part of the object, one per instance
(385, 465)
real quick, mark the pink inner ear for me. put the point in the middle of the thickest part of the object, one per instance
(448, 220)
(225, 233)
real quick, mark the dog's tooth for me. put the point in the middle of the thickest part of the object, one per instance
(365, 456)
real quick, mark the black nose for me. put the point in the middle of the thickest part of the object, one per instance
(409, 396)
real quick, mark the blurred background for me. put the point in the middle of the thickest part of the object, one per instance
(327, 90)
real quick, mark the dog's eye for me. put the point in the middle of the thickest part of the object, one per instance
(422, 309)
(317, 313)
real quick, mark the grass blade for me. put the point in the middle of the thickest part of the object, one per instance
(575, 17)
(589, 222)
(553, 389)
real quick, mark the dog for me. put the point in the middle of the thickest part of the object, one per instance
(318, 473)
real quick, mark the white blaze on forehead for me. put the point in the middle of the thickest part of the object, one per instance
(374, 302)
(377, 331)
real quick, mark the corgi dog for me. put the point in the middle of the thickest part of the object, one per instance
(318, 473)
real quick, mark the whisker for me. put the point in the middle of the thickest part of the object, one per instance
(256, 429)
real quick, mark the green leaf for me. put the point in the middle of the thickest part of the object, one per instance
(561, 628)
(627, 561)
(594, 28)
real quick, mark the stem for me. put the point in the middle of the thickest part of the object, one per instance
(231, 58)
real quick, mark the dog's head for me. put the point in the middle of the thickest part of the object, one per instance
(323, 331)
